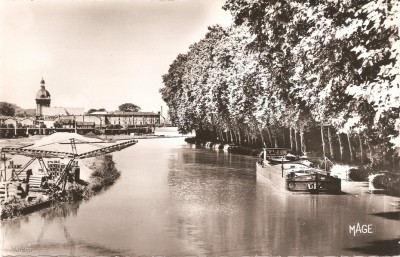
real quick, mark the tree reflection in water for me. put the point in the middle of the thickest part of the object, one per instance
(215, 194)
(59, 214)
(56, 215)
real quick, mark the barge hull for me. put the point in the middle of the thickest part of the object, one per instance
(313, 183)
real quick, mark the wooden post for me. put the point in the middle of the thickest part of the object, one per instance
(3, 156)
(76, 131)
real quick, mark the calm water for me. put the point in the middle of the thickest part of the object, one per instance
(173, 199)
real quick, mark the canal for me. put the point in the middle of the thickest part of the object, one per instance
(174, 199)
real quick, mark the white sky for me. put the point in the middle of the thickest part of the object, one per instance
(96, 54)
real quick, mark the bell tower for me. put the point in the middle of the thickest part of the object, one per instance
(42, 98)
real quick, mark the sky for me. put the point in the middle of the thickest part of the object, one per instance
(97, 54)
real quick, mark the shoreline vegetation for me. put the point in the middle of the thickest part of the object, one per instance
(104, 174)
(318, 77)
(382, 179)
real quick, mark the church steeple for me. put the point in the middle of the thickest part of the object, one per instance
(42, 98)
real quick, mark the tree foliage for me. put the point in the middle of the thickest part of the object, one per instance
(92, 110)
(294, 64)
(7, 109)
(129, 107)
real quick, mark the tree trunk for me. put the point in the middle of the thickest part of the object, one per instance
(340, 147)
(351, 152)
(291, 138)
(370, 153)
(303, 144)
(262, 138)
(269, 135)
(274, 139)
(283, 138)
(234, 137)
(330, 143)
(323, 141)
(296, 141)
(230, 133)
(361, 149)
(239, 138)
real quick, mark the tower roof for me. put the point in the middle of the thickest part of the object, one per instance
(42, 93)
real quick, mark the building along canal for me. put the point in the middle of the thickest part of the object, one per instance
(174, 199)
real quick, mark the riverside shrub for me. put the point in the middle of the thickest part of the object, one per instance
(388, 181)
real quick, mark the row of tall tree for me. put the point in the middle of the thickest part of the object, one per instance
(294, 66)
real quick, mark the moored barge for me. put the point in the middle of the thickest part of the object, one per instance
(287, 172)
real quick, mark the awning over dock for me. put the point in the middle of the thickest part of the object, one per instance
(69, 145)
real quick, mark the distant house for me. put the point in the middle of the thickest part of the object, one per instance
(4, 118)
(70, 118)
(129, 119)
(11, 121)
(85, 125)
(99, 121)
(66, 122)
(27, 122)
(51, 114)
(61, 111)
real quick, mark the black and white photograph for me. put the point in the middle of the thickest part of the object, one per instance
(199, 128)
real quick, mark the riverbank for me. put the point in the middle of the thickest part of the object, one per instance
(103, 174)
(224, 146)
(383, 180)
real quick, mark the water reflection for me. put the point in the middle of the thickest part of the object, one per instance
(51, 236)
(216, 193)
(389, 247)
(227, 211)
(179, 200)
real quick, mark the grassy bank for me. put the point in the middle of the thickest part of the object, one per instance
(104, 175)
